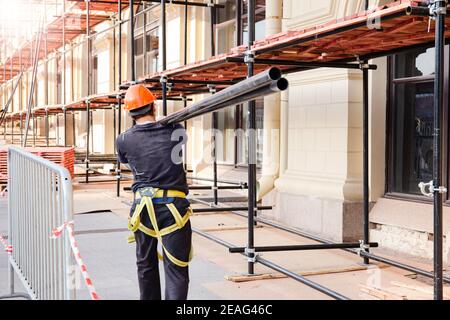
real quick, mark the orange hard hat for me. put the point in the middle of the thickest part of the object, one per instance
(138, 96)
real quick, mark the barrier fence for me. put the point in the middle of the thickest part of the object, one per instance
(39, 198)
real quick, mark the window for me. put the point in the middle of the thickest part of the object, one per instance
(233, 121)
(410, 148)
(147, 47)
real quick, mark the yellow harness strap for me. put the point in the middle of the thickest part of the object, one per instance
(134, 223)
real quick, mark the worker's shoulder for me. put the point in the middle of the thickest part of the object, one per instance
(121, 137)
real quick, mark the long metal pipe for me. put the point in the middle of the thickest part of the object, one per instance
(199, 187)
(225, 209)
(33, 85)
(312, 64)
(89, 85)
(276, 267)
(301, 279)
(401, 265)
(361, 253)
(11, 97)
(190, 3)
(304, 247)
(219, 180)
(273, 87)
(228, 94)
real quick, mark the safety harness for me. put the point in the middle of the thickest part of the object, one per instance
(148, 197)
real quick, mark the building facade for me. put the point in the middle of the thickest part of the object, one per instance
(309, 137)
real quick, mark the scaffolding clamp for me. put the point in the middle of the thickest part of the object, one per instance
(363, 247)
(431, 189)
(251, 254)
(436, 9)
(249, 57)
(363, 65)
(163, 79)
(212, 88)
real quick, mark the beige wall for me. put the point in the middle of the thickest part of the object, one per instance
(319, 188)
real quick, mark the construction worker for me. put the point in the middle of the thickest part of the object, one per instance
(160, 211)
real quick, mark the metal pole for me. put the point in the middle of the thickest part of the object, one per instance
(440, 12)
(302, 279)
(366, 199)
(251, 143)
(215, 115)
(164, 55)
(132, 53)
(88, 123)
(144, 41)
(45, 59)
(64, 69)
(238, 110)
(88, 129)
(186, 8)
(119, 100)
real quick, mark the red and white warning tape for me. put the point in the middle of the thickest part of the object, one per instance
(8, 248)
(56, 233)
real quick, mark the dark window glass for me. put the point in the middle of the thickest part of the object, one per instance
(411, 116)
(413, 139)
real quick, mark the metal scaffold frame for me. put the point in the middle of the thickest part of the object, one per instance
(169, 85)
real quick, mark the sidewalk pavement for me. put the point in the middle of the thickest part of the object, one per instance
(102, 239)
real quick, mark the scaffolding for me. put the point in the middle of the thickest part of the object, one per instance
(345, 43)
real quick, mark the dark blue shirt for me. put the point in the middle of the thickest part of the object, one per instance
(154, 154)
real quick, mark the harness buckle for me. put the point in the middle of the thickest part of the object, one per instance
(148, 192)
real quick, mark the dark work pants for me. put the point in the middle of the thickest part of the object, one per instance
(178, 244)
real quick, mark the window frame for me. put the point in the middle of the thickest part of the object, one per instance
(390, 122)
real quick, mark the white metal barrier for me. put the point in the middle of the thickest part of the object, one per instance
(39, 198)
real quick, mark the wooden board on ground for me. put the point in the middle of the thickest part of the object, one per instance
(270, 276)
(381, 294)
(427, 290)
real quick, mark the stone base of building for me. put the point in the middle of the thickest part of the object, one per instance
(407, 228)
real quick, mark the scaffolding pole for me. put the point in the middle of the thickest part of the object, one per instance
(439, 10)
(119, 97)
(89, 85)
(163, 79)
(252, 203)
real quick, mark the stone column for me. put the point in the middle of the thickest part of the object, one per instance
(271, 143)
(319, 189)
